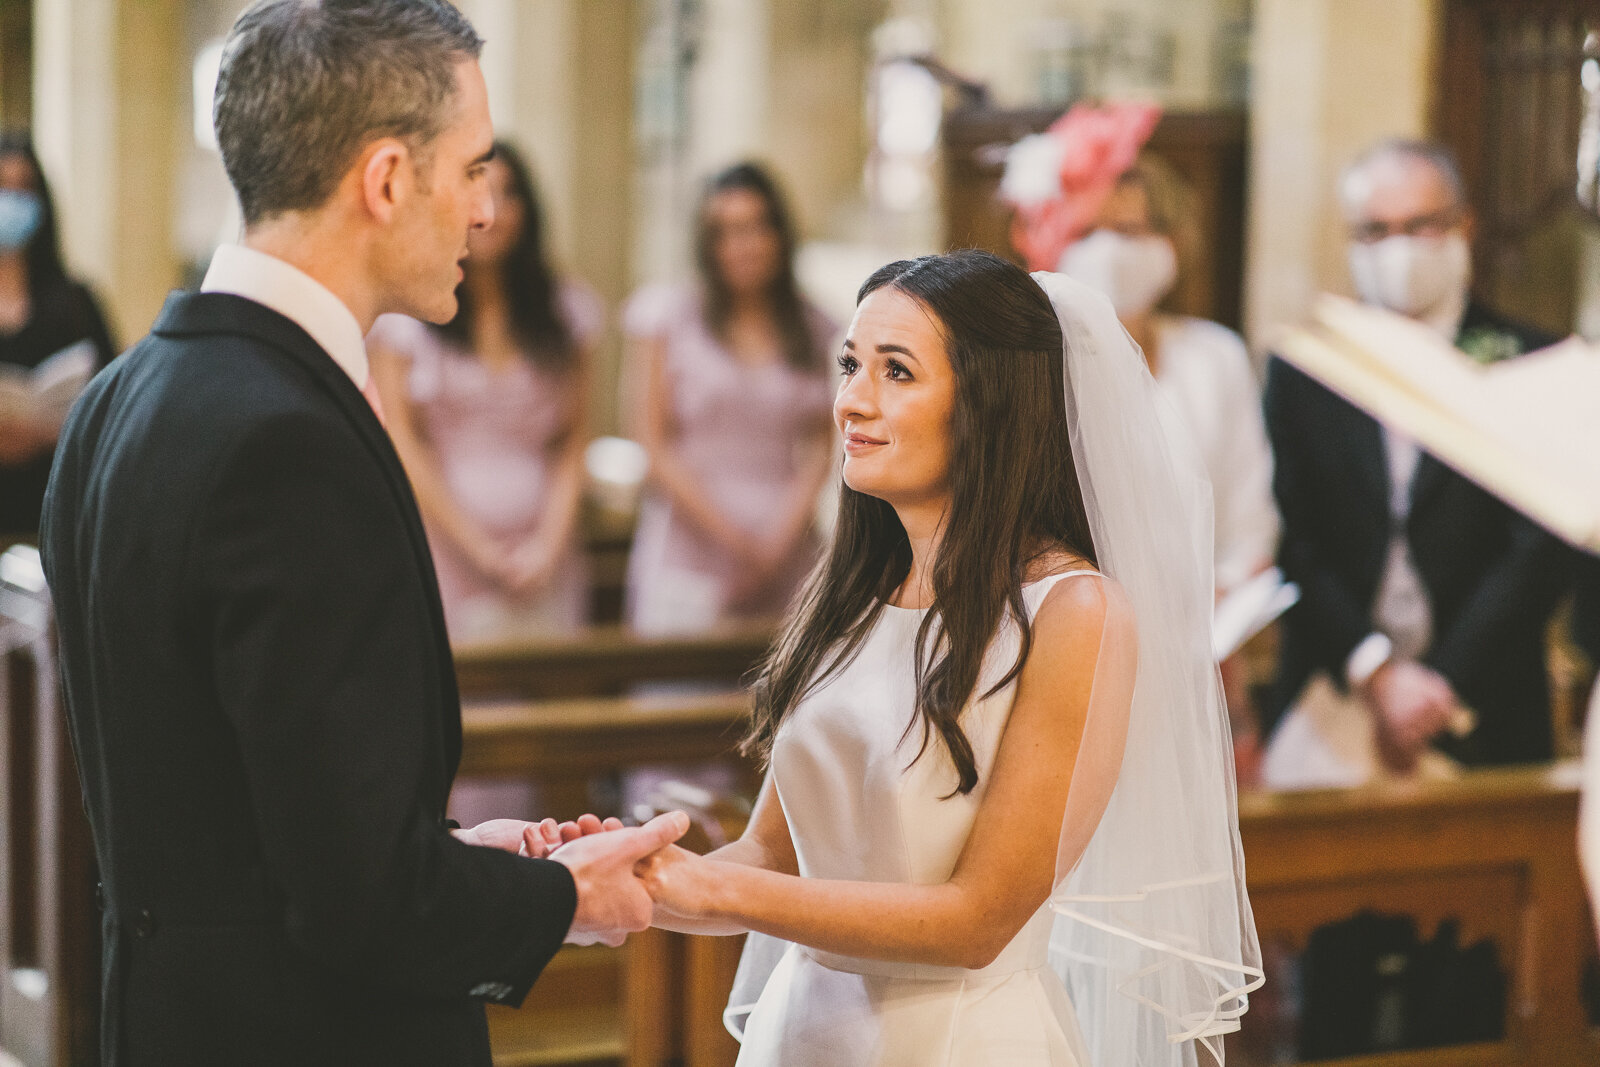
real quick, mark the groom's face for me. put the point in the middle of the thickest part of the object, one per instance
(450, 197)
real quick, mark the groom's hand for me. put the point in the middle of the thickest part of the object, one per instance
(536, 839)
(612, 900)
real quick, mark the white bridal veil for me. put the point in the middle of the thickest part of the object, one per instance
(1153, 936)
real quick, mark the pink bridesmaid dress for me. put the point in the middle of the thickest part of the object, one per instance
(492, 433)
(739, 429)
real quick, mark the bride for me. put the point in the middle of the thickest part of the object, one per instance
(999, 823)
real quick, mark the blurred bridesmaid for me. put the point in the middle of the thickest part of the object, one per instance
(489, 415)
(735, 414)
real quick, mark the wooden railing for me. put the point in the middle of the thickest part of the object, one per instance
(1495, 850)
(49, 925)
(604, 660)
(658, 1000)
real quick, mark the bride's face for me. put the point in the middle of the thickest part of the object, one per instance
(895, 402)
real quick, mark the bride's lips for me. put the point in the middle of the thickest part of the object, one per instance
(860, 442)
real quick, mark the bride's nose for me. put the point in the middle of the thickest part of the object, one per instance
(855, 401)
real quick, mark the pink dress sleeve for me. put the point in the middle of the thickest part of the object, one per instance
(652, 310)
(583, 310)
(414, 342)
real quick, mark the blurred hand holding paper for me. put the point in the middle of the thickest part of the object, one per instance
(1249, 609)
(45, 393)
(1526, 429)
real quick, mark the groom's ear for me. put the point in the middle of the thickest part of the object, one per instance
(387, 177)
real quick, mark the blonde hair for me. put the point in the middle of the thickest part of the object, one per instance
(1171, 207)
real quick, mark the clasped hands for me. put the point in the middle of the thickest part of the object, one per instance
(1413, 705)
(625, 876)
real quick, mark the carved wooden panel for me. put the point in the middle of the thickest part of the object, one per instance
(1507, 102)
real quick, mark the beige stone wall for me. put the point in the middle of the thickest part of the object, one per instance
(109, 78)
(997, 41)
(560, 76)
(1329, 78)
(817, 127)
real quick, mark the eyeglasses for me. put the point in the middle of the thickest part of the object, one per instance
(1435, 224)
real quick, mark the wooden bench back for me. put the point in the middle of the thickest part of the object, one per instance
(605, 661)
(49, 921)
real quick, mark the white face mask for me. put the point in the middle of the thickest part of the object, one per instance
(1133, 272)
(1411, 275)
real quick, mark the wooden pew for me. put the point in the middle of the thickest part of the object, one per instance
(584, 736)
(1495, 849)
(659, 999)
(49, 924)
(604, 661)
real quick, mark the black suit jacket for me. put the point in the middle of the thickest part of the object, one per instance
(1492, 577)
(264, 710)
(1586, 610)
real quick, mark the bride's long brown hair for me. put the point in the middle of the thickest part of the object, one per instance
(1014, 495)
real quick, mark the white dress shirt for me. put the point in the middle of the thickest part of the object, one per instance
(1402, 614)
(295, 295)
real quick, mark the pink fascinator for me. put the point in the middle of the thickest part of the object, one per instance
(1058, 179)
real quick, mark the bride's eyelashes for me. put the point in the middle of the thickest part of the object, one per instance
(894, 370)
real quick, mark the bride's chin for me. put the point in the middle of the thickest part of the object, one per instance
(863, 483)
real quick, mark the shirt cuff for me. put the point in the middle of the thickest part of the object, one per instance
(1365, 659)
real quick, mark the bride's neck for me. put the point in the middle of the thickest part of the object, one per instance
(924, 526)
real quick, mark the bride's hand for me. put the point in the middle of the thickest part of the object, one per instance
(679, 882)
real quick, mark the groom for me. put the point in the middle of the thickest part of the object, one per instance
(260, 690)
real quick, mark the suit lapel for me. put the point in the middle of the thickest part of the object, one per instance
(1361, 441)
(188, 314)
(1431, 476)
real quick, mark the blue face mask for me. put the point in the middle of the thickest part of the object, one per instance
(20, 215)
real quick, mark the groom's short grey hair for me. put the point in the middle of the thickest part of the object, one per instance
(305, 85)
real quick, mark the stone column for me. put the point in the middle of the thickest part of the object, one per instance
(109, 117)
(1330, 77)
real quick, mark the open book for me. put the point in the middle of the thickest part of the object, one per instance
(44, 393)
(1526, 429)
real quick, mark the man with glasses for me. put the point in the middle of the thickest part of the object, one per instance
(1424, 598)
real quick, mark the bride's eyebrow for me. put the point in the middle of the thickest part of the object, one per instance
(885, 349)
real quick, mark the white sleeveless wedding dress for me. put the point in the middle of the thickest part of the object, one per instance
(860, 809)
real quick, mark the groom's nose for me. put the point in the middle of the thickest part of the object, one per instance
(481, 215)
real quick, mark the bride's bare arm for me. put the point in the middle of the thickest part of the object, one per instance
(1007, 868)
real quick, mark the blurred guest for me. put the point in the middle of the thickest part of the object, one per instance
(1139, 246)
(1422, 595)
(43, 312)
(489, 413)
(735, 416)
(1137, 249)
